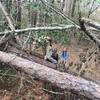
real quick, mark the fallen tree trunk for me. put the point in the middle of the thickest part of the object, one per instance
(62, 80)
(91, 23)
(90, 34)
(34, 57)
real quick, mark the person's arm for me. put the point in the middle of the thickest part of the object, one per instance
(48, 52)
(60, 55)
(66, 56)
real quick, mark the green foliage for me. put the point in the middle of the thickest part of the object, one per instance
(57, 36)
(5, 68)
(60, 36)
(33, 6)
(42, 41)
(98, 1)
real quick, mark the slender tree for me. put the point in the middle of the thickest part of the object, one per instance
(18, 26)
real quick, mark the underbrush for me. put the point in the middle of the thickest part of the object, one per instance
(15, 85)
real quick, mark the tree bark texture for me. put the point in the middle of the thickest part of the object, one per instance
(60, 79)
(91, 23)
(90, 34)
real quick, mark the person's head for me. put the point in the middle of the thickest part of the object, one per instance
(65, 49)
(54, 50)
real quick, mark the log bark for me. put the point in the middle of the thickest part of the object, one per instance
(91, 23)
(62, 80)
(90, 34)
(36, 57)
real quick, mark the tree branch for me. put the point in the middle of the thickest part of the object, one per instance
(91, 23)
(37, 29)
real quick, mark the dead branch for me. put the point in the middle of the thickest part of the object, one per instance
(62, 80)
(20, 31)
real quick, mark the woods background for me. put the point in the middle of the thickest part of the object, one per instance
(24, 28)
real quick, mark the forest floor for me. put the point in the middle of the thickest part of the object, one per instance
(83, 61)
(19, 88)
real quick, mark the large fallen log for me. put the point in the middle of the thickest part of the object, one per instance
(62, 80)
(90, 34)
(36, 57)
(91, 23)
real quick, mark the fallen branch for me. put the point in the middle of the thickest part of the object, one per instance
(62, 80)
(37, 29)
(52, 92)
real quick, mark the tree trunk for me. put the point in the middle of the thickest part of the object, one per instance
(33, 18)
(18, 26)
(62, 80)
(66, 7)
(62, 4)
(73, 8)
(9, 6)
(29, 13)
(91, 23)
